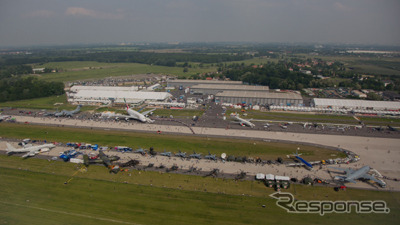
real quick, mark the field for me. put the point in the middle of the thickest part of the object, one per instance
(365, 64)
(33, 192)
(173, 143)
(83, 70)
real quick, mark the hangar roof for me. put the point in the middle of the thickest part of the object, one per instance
(231, 87)
(253, 94)
(354, 103)
(87, 94)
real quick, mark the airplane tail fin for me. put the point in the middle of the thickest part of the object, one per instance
(127, 107)
(10, 148)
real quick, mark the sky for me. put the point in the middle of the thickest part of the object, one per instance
(60, 22)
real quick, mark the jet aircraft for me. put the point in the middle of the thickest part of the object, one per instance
(209, 156)
(242, 121)
(195, 155)
(352, 175)
(181, 154)
(30, 150)
(168, 154)
(303, 162)
(103, 158)
(67, 113)
(141, 151)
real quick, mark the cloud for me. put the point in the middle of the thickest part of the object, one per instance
(79, 11)
(42, 13)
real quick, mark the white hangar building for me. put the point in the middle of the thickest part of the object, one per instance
(259, 98)
(108, 95)
(207, 89)
(355, 104)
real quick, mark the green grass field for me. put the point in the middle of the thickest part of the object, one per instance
(173, 143)
(83, 70)
(33, 192)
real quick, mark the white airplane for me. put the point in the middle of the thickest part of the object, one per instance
(242, 121)
(4, 118)
(132, 114)
(352, 175)
(30, 151)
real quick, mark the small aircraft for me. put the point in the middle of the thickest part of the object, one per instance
(209, 156)
(168, 154)
(30, 150)
(141, 151)
(103, 158)
(303, 162)
(352, 175)
(67, 113)
(242, 121)
(181, 154)
(195, 155)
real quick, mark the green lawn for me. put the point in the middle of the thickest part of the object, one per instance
(33, 192)
(82, 70)
(173, 143)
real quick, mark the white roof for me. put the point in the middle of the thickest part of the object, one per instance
(76, 88)
(351, 103)
(128, 95)
(231, 87)
(269, 177)
(260, 176)
(282, 178)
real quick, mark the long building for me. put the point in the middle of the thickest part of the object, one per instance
(212, 89)
(259, 98)
(106, 95)
(355, 104)
(189, 83)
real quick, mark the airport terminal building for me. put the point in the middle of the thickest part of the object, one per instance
(207, 89)
(259, 98)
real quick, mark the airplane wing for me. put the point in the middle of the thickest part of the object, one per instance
(147, 112)
(30, 154)
(369, 177)
(346, 170)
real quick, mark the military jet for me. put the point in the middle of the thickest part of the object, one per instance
(352, 175)
(103, 158)
(168, 154)
(392, 128)
(209, 156)
(141, 151)
(67, 113)
(181, 154)
(303, 162)
(30, 150)
(195, 155)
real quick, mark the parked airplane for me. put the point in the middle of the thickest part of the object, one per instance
(195, 155)
(136, 115)
(30, 150)
(353, 175)
(242, 121)
(141, 151)
(103, 158)
(181, 154)
(166, 153)
(303, 162)
(68, 113)
(209, 156)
